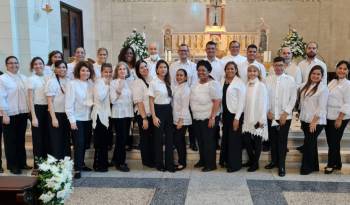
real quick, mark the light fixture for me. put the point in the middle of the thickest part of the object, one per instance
(46, 6)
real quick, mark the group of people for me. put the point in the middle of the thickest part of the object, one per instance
(80, 102)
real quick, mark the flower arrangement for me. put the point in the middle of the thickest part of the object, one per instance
(137, 41)
(55, 180)
(295, 42)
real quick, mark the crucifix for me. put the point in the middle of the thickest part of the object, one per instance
(215, 12)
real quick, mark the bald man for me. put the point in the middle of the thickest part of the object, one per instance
(153, 50)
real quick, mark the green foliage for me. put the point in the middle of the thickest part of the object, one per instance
(137, 41)
(295, 42)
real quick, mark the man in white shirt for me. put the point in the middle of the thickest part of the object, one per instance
(217, 71)
(282, 94)
(185, 63)
(251, 58)
(292, 68)
(234, 54)
(310, 61)
(153, 58)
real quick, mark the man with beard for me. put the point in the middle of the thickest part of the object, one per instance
(311, 61)
(153, 58)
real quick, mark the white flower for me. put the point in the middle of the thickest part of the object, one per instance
(44, 167)
(51, 159)
(47, 197)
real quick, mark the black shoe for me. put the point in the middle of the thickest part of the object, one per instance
(1, 170)
(338, 167)
(270, 166)
(171, 170)
(208, 169)
(77, 175)
(229, 170)
(247, 164)
(16, 171)
(300, 148)
(199, 165)
(328, 170)
(122, 168)
(281, 172)
(253, 168)
(86, 169)
(26, 167)
(101, 169)
(305, 172)
(161, 169)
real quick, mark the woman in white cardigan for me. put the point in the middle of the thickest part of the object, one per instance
(255, 117)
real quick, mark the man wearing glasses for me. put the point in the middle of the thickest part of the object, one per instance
(234, 55)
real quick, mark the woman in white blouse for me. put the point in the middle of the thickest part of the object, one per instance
(255, 119)
(14, 109)
(205, 104)
(79, 55)
(338, 114)
(101, 112)
(143, 113)
(122, 112)
(79, 101)
(102, 55)
(38, 110)
(52, 58)
(233, 100)
(58, 122)
(182, 116)
(160, 105)
(313, 111)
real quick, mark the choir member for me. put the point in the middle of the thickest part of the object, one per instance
(205, 104)
(102, 55)
(52, 58)
(252, 51)
(153, 58)
(338, 115)
(160, 97)
(79, 55)
(122, 112)
(182, 116)
(233, 100)
(14, 109)
(282, 92)
(78, 105)
(313, 111)
(101, 112)
(255, 119)
(234, 55)
(143, 113)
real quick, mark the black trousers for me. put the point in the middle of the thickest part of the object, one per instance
(206, 142)
(60, 137)
(146, 142)
(14, 141)
(252, 144)
(164, 135)
(334, 137)
(79, 142)
(40, 134)
(122, 128)
(217, 130)
(101, 145)
(0, 141)
(310, 153)
(231, 143)
(180, 144)
(278, 136)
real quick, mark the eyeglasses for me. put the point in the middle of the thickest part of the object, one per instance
(12, 63)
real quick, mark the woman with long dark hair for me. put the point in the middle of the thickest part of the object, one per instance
(52, 58)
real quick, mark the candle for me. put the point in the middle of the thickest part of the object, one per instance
(169, 55)
(165, 55)
(265, 56)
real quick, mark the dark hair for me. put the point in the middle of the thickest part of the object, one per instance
(102, 49)
(82, 64)
(33, 61)
(184, 44)
(184, 71)
(309, 82)
(166, 77)
(252, 46)
(52, 53)
(123, 51)
(278, 59)
(58, 63)
(234, 41)
(75, 50)
(234, 65)
(212, 43)
(106, 65)
(9, 57)
(137, 70)
(347, 64)
(206, 64)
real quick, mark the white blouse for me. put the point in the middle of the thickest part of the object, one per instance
(70, 70)
(190, 68)
(140, 94)
(181, 104)
(158, 90)
(37, 85)
(315, 105)
(13, 94)
(79, 100)
(306, 67)
(282, 93)
(53, 89)
(201, 99)
(102, 104)
(217, 71)
(235, 97)
(97, 69)
(49, 70)
(238, 59)
(338, 99)
(122, 105)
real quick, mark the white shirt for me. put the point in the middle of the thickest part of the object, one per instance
(97, 69)
(151, 65)
(37, 85)
(235, 97)
(217, 71)
(70, 70)
(49, 70)
(122, 105)
(338, 99)
(181, 104)
(238, 59)
(158, 90)
(13, 94)
(315, 105)
(201, 99)
(102, 104)
(292, 70)
(243, 70)
(79, 100)
(190, 68)
(305, 68)
(282, 93)
(140, 94)
(53, 90)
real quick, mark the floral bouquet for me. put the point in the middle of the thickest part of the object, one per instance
(137, 41)
(295, 42)
(55, 180)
